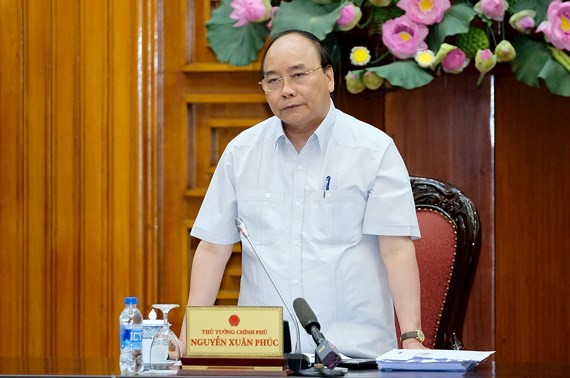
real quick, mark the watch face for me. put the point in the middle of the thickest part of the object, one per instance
(421, 337)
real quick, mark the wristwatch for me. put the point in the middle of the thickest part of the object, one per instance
(417, 334)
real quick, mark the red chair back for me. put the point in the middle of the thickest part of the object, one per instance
(447, 257)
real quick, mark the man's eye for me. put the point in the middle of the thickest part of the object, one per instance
(298, 75)
(272, 80)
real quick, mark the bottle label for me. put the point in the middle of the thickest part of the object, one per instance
(131, 336)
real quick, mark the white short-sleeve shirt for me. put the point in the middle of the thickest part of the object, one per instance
(317, 235)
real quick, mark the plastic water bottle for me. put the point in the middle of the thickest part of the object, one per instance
(131, 328)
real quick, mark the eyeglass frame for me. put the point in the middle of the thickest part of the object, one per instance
(281, 79)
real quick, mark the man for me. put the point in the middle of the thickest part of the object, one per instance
(328, 204)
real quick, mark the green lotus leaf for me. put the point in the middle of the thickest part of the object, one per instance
(236, 46)
(456, 21)
(556, 77)
(306, 15)
(406, 74)
(530, 60)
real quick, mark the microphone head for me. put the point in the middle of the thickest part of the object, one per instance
(240, 224)
(306, 316)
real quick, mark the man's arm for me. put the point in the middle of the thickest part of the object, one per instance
(208, 268)
(399, 256)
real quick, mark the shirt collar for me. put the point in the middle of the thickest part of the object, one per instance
(322, 133)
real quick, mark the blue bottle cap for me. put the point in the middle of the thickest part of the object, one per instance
(131, 300)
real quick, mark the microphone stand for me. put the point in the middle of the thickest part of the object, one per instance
(297, 360)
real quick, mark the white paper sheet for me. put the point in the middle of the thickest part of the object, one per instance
(431, 359)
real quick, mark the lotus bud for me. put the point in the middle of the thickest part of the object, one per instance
(505, 52)
(350, 14)
(444, 49)
(371, 80)
(561, 57)
(455, 62)
(354, 83)
(523, 21)
(485, 61)
(493, 9)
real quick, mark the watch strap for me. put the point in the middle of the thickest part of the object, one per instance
(417, 334)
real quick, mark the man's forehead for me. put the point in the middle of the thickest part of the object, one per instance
(291, 68)
(291, 55)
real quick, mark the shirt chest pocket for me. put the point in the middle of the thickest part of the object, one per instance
(262, 212)
(341, 216)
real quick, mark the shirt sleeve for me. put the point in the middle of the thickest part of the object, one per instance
(390, 209)
(215, 222)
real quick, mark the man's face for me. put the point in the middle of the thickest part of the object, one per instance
(299, 106)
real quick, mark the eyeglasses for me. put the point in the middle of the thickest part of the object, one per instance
(273, 83)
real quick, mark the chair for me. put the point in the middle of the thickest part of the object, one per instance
(447, 257)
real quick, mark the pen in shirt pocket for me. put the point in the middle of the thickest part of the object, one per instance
(327, 185)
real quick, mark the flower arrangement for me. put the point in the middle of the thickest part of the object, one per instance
(407, 43)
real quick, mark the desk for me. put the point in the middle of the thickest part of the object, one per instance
(105, 367)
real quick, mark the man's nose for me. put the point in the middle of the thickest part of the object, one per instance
(288, 88)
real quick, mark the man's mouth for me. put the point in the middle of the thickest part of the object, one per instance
(292, 106)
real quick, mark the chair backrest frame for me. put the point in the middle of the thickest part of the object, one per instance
(437, 195)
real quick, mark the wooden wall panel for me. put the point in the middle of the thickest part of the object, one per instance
(64, 165)
(36, 120)
(79, 171)
(443, 131)
(532, 222)
(12, 260)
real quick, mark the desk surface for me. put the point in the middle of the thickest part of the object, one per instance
(104, 367)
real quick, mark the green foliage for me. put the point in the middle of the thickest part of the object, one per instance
(456, 21)
(236, 46)
(461, 26)
(406, 74)
(306, 15)
(556, 78)
(534, 61)
(531, 58)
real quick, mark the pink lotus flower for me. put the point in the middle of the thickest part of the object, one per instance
(455, 61)
(425, 12)
(557, 27)
(403, 37)
(246, 11)
(350, 14)
(493, 9)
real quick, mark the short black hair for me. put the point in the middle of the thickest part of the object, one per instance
(323, 52)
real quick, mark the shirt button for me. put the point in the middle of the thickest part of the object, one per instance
(300, 167)
(298, 204)
(267, 195)
(295, 242)
(295, 282)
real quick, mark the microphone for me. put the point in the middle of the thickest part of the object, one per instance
(296, 360)
(325, 351)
